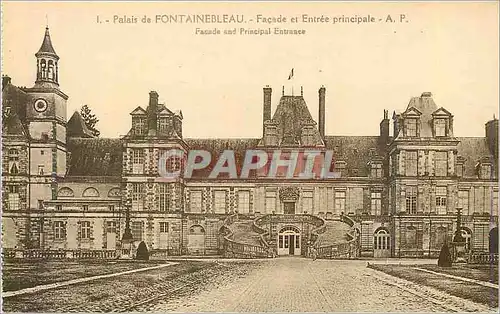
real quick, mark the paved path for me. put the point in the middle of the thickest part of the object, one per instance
(79, 280)
(303, 285)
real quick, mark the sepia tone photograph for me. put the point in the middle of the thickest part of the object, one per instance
(197, 157)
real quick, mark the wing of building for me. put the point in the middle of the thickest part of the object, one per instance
(65, 190)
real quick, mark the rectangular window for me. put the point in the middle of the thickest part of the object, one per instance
(59, 207)
(376, 203)
(411, 199)
(494, 210)
(111, 227)
(59, 230)
(163, 227)
(376, 170)
(137, 196)
(85, 208)
(138, 126)
(220, 202)
(339, 202)
(111, 208)
(196, 202)
(411, 127)
(243, 202)
(460, 170)
(486, 171)
(440, 127)
(138, 161)
(164, 197)
(136, 228)
(441, 196)
(411, 163)
(162, 125)
(270, 202)
(463, 201)
(14, 201)
(330, 202)
(307, 202)
(441, 164)
(85, 229)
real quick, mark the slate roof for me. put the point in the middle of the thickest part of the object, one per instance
(13, 111)
(95, 157)
(76, 127)
(46, 47)
(473, 149)
(356, 151)
(426, 106)
(290, 115)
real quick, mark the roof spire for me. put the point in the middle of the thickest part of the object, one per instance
(46, 48)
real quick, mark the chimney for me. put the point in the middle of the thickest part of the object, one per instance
(321, 114)
(5, 81)
(267, 103)
(152, 112)
(492, 136)
(384, 129)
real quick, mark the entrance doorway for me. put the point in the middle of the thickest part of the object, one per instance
(289, 241)
(381, 243)
(289, 208)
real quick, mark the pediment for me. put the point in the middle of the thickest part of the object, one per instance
(441, 112)
(138, 111)
(412, 112)
(165, 112)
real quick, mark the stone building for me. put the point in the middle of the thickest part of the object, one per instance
(63, 189)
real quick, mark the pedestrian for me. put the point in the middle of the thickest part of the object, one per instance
(314, 253)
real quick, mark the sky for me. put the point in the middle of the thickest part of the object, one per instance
(450, 49)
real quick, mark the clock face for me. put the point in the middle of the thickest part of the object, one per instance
(40, 105)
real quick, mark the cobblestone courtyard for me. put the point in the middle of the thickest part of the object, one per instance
(277, 285)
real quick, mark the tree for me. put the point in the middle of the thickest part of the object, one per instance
(444, 257)
(90, 120)
(142, 252)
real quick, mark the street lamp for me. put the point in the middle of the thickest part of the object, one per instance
(459, 240)
(127, 238)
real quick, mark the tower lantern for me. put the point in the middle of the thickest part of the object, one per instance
(47, 62)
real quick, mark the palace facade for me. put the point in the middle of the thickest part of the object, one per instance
(396, 196)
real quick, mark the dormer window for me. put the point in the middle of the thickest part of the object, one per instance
(163, 125)
(440, 127)
(138, 125)
(376, 170)
(307, 136)
(411, 127)
(271, 136)
(340, 166)
(485, 171)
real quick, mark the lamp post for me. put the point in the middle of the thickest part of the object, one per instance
(458, 240)
(127, 237)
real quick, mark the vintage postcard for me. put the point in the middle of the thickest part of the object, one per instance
(250, 156)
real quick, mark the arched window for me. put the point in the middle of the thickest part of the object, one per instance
(196, 230)
(439, 238)
(382, 240)
(50, 70)
(13, 161)
(90, 192)
(65, 192)
(467, 235)
(43, 66)
(411, 237)
(493, 237)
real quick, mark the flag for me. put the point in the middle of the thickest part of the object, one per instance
(291, 75)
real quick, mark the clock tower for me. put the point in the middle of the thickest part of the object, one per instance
(46, 119)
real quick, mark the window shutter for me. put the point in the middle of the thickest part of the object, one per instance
(430, 163)
(451, 163)
(433, 198)
(79, 227)
(450, 199)
(401, 162)
(65, 225)
(91, 230)
(421, 163)
(420, 199)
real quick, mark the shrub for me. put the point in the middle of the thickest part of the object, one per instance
(142, 252)
(444, 257)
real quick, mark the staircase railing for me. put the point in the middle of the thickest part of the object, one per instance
(346, 250)
(237, 249)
